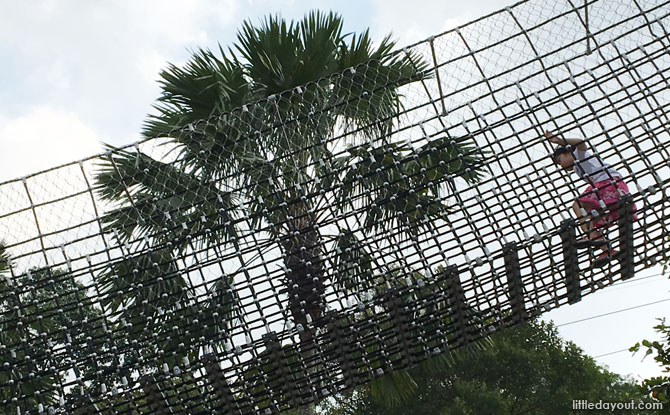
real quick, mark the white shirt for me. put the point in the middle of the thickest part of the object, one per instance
(592, 168)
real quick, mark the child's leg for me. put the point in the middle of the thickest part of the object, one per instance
(576, 207)
(586, 222)
(596, 235)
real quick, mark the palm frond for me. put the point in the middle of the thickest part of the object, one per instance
(352, 264)
(157, 194)
(370, 81)
(148, 291)
(390, 186)
(320, 35)
(402, 185)
(270, 52)
(207, 85)
(146, 276)
(182, 329)
(196, 109)
(4, 258)
(393, 388)
(445, 156)
(281, 56)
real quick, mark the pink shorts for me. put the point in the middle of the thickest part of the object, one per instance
(609, 193)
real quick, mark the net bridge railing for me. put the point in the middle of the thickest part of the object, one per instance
(313, 241)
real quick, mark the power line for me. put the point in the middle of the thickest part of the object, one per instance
(637, 279)
(618, 311)
(613, 312)
(611, 353)
(619, 285)
(646, 277)
(627, 283)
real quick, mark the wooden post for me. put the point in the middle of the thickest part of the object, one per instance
(626, 256)
(570, 264)
(514, 283)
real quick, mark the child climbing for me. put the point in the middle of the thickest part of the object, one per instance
(599, 200)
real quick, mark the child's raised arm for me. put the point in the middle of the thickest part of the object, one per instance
(577, 143)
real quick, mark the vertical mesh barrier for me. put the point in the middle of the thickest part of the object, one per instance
(309, 242)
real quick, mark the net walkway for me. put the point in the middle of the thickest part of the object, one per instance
(266, 258)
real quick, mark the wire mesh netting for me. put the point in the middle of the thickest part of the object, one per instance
(265, 258)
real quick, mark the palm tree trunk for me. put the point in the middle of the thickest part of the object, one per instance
(309, 409)
(308, 353)
(305, 274)
(305, 287)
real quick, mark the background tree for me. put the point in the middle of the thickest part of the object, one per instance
(21, 377)
(274, 166)
(658, 386)
(528, 369)
(44, 304)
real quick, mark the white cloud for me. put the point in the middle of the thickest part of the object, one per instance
(100, 59)
(452, 23)
(150, 65)
(41, 139)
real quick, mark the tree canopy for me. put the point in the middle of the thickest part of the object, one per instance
(658, 386)
(37, 368)
(528, 369)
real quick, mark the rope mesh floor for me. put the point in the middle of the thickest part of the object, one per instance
(268, 257)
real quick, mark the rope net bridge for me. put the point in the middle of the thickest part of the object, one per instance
(268, 257)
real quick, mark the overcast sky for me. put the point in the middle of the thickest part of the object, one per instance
(76, 73)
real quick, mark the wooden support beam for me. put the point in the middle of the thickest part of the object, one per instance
(514, 283)
(570, 263)
(626, 254)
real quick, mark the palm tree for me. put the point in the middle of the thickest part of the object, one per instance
(254, 133)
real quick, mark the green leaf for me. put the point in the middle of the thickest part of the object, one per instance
(353, 263)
